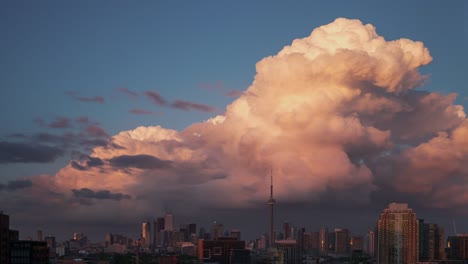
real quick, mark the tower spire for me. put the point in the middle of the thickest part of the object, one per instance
(271, 204)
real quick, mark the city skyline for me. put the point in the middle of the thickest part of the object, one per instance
(114, 113)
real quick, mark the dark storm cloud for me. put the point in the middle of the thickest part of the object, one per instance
(87, 162)
(13, 152)
(139, 161)
(156, 98)
(187, 106)
(100, 194)
(16, 185)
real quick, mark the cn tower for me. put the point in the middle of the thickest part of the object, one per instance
(271, 203)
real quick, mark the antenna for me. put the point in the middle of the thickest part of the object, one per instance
(271, 186)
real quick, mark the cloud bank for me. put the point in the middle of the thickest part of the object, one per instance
(334, 114)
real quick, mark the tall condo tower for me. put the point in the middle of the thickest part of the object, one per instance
(271, 204)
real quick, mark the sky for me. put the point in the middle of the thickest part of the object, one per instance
(113, 111)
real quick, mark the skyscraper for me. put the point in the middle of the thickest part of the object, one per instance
(398, 235)
(146, 234)
(323, 241)
(286, 230)
(342, 241)
(158, 227)
(431, 242)
(271, 204)
(370, 243)
(216, 230)
(4, 238)
(168, 221)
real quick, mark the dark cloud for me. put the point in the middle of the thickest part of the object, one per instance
(100, 195)
(97, 131)
(139, 161)
(216, 86)
(13, 152)
(60, 122)
(233, 94)
(87, 163)
(82, 120)
(187, 106)
(140, 112)
(16, 185)
(94, 99)
(77, 166)
(156, 98)
(127, 92)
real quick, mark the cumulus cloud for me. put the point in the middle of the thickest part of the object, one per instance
(334, 114)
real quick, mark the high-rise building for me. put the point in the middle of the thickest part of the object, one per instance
(323, 241)
(286, 230)
(398, 235)
(457, 247)
(290, 249)
(431, 242)
(271, 204)
(39, 235)
(4, 238)
(370, 243)
(216, 230)
(236, 233)
(312, 243)
(342, 241)
(24, 251)
(50, 240)
(192, 228)
(357, 243)
(168, 221)
(159, 225)
(146, 234)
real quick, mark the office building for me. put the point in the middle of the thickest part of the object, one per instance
(457, 247)
(370, 243)
(219, 250)
(342, 241)
(290, 250)
(398, 235)
(29, 252)
(236, 233)
(159, 226)
(323, 241)
(146, 234)
(216, 230)
(357, 243)
(4, 238)
(311, 243)
(168, 221)
(192, 228)
(431, 242)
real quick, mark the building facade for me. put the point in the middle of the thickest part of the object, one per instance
(398, 235)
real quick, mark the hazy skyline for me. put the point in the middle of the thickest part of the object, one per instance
(114, 112)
